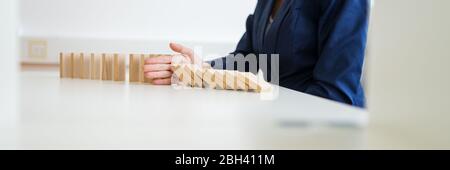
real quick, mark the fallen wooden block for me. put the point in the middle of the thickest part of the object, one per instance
(233, 79)
(179, 74)
(230, 80)
(257, 84)
(220, 80)
(209, 78)
(193, 76)
(198, 77)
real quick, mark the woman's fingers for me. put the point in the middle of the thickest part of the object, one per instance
(156, 67)
(159, 68)
(165, 81)
(167, 59)
(158, 74)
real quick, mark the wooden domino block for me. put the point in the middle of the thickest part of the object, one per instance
(208, 78)
(175, 67)
(86, 73)
(77, 65)
(189, 72)
(187, 76)
(219, 79)
(183, 73)
(252, 81)
(61, 65)
(195, 75)
(198, 77)
(96, 67)
(230, 80)
(192, 76)
(141, 68)
(70, 65)
(81, 65)
(233, 82)
(119, 67)
(134, 68)
(66, 65)
(178, 72)
(242, 81)
(107, 67)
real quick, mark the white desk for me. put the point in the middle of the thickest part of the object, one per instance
(86, 114)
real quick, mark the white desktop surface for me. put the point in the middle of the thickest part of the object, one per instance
(59, 113)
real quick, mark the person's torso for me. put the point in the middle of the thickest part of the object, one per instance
(292, 35)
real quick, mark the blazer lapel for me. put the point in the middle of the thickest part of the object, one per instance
(263, 24)
(270, 40)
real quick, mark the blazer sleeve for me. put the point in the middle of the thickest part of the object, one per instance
(244, 46)
(342, 38)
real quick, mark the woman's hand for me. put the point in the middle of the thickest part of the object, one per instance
(159, 68)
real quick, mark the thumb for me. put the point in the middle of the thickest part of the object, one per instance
(183, 50)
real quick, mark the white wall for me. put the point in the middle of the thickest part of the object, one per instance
(8, 73)
(409, 81)
(138, 22)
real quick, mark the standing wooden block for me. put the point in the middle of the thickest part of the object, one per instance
(61, 65)
(71, 65)
(141, 68)
(115, 67)
(107, 67)
(77, 65)
(96, 67)
(119, 67)
(86, 67)
(134, 68)
(66, 66)
(81, 65)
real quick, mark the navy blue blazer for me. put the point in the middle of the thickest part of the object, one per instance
(321, 45)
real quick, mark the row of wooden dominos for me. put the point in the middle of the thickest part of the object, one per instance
(92, 66)
(104, 66)
(205, 77)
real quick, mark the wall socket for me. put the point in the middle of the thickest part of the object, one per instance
(37, 49)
